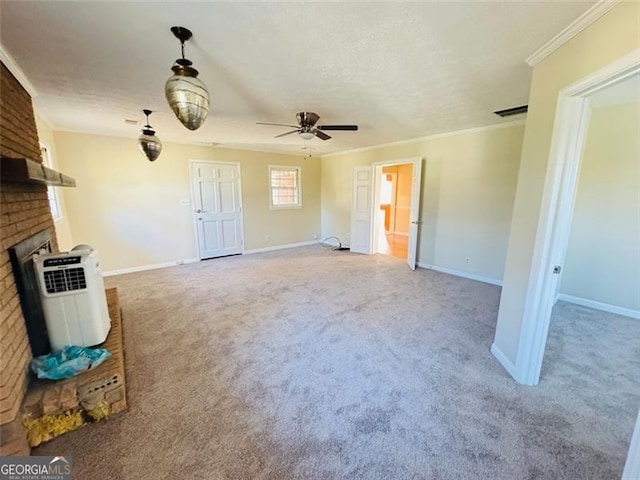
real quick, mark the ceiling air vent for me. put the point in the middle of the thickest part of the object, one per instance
(508, 112)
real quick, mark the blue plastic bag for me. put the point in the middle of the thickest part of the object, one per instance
(68, 362)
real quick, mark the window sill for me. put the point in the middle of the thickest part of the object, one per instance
(285, 207)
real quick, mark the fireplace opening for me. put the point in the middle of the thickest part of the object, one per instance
(21, 255)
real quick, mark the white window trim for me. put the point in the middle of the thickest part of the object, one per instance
(52, 192)
(285, 168)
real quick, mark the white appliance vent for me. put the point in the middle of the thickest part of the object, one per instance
(57, 281)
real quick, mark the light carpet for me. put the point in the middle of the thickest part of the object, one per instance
(313, 364)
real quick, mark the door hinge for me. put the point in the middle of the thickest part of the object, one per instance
(557, 269)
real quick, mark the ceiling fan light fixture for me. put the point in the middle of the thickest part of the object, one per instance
(187, 95)
(307, 135)
(148, 143)
(307, 127)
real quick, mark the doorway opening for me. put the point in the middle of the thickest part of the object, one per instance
(367, 216)
(570, 126)
(393, 210)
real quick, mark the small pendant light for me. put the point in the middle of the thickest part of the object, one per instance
(187, 95)
(148, 143)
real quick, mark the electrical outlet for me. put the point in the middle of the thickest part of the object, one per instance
(466, 260)
(315, 236)
(267, 238)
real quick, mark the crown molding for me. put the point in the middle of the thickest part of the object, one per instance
(583, 21)
(16, 71)
(435, 136)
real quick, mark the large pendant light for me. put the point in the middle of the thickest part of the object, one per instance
(148, 143)
(187, 95)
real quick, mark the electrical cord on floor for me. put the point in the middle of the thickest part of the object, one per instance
(338, 247)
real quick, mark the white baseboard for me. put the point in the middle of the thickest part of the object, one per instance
(155, 266)
(504, 361)
(458, 273)
(605, 307)
(142, 268)
(280, 247)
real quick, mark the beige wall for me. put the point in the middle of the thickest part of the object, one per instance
(63, 232)
(129, 208)
(603, 255)
(468, 187)
(615, 34)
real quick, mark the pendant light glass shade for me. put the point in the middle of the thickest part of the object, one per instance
(148, 143)
(188, 97)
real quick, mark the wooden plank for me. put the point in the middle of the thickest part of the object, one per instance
(23, 170)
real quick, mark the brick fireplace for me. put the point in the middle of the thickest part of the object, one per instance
(24, 211)
(46, 408)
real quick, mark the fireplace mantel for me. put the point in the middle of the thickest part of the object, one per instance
(23, 170)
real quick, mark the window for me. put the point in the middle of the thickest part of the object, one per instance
(284, 183)
(52, 193)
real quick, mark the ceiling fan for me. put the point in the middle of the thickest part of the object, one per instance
(307, 128)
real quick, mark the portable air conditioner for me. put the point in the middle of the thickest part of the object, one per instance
(73, 297)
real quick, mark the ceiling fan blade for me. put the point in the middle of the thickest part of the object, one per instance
(352, 128)
(277, 124)
(321, 135)
(308, 119)
(288, 133)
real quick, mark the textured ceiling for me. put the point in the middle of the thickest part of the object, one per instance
(398, 70)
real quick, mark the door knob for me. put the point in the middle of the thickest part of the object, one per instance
(198, 211)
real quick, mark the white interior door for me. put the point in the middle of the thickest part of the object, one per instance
(414, 218)
(361, 210)
(217, 208)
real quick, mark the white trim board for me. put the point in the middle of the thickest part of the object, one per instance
(281, 247)
(504, 361)
(605, 307)
(571, 30)
(460, 273)
(632, 465)
(16, 71)
(154, 266)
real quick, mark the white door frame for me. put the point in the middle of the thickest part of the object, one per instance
(193, 201)
(558, 199)
(416, 163)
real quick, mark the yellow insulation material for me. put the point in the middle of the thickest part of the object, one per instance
(48, 427)
(100, 411)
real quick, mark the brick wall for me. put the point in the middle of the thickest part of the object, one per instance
(24, 211)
